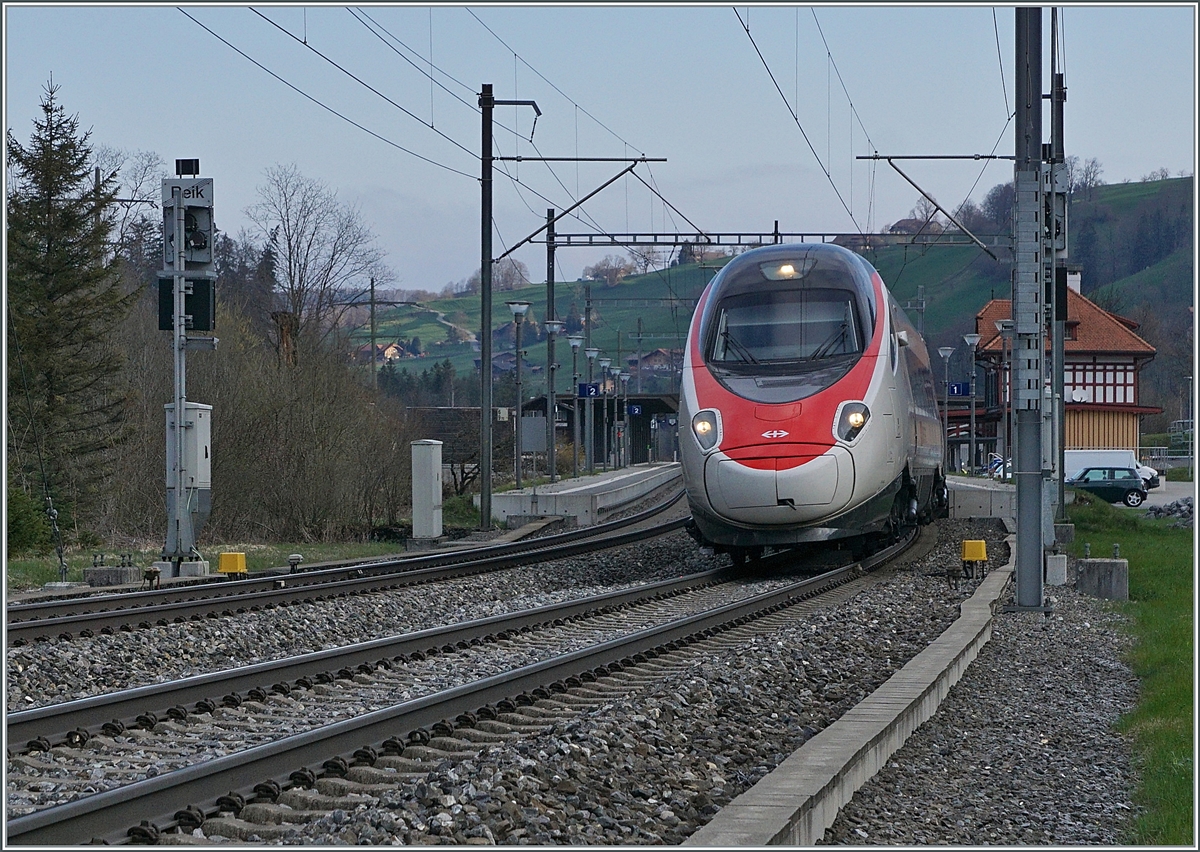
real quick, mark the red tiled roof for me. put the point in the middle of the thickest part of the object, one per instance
(1096, 330)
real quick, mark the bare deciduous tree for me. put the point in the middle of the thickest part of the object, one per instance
(927, 212)
(320, 246)
(1089, 177)
(139, 175)
(507, 274)
(610, 270)
(646, 258)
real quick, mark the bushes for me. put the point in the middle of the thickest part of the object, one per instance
(299, 453)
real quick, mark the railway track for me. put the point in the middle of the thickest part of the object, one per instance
(378, 740)
(65, 619)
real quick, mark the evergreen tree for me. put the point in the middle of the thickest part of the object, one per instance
(64, 296)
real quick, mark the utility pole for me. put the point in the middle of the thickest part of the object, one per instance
(487, 102)
(1028, 309)
(639, 355)
(487, 106)
(551, 334)
(591, 353)
(1057, 228)
(374, 380)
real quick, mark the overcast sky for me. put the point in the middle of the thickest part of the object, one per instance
(684, 83)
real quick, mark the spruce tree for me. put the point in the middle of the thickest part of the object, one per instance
(64, 300)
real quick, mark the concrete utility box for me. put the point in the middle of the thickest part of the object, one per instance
(1103, 578)
(427, 489)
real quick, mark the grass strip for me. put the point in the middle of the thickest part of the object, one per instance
(1161, 614)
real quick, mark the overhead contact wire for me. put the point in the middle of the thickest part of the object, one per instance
(323, 106)
(366, 85)
(796, 119)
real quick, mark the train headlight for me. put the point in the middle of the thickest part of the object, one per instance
(851, 420)
(706, 426)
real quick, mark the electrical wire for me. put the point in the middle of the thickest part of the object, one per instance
(845, 91)
(365, 84)
(578, 108)
(375, 25)
(1000, 58)
(323, 106)
(796, 119)
(432, 81)
(551, 85)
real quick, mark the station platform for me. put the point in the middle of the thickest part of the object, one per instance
(585, 499)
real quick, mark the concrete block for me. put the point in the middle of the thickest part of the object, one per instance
(424, 543)
(1064, 533)
(981, 503)
(194, 569)
(1104, 578)
(186, 569)
(1056, 568)
(111, 575)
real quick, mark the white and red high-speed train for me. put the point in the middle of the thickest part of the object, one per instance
(807, 410)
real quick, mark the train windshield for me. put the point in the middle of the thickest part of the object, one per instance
(780, 327)
(784, 322)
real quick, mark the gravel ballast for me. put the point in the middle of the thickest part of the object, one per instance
(1022, 750)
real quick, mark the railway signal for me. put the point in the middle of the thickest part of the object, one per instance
(187, 303)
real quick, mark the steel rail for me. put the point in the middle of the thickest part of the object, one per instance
(317, 574)
(56, 721)
(109, 815)
(285, 592)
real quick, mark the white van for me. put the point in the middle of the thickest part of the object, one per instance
(1077, 460)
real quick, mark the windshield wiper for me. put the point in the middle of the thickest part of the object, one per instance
(732, 344)
(835, 338)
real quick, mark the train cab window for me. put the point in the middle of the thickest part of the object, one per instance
(785, 326)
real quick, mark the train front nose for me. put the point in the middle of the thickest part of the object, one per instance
(780, 485)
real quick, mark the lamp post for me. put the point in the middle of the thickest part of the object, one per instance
(553, 327)
(576, 340)
(605, 363)
(946, 352)
(518, 311)
(972, 341)
(624, 377)
(589, 441)
(1005, 327)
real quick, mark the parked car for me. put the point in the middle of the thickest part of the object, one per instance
(1113, 484)
(1077, 460)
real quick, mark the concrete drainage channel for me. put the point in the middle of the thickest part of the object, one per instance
(795, 803)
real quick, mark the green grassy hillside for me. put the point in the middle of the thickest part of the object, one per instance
(1133, 241)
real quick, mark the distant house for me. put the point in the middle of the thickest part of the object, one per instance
(657, 361)
(915, 226)
(1103, 356)
(506, 362)
(385, 353)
